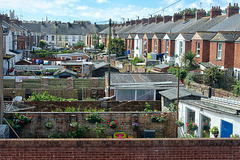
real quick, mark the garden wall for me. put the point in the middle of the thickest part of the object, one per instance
(116, 149)
(62, 120)
(41, 106)
(10, 93)
(203, 89)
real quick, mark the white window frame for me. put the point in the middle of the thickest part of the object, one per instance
(145, 45)
(198, 48)
(180, 47)
(219, 51)
(167, 45)
(66, 38)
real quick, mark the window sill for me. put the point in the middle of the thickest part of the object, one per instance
(218, 59)
(197, 56)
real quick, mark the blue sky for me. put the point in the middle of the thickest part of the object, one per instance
(100, 10)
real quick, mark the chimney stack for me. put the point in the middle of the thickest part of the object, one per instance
(176, 17)
(158, 19)
(215, 11)
(200, 13)
(144, 21)
(231, 10)
(127, 22)
(187, 15)
(137, 21)
(151, 20)
(167, 19)
(132, 22)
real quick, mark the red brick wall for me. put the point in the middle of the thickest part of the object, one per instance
(171, 48)
(188, 46)
(163, 46)
(149, 46)
(237, 55)
(227, 54)
(116, 149)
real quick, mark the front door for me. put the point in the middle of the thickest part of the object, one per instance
(226, 129)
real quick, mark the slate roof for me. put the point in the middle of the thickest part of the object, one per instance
(171, 94)
(226, 37)
(64, 71)
(172, 36)
(160, 35)
(64, 28)
(228, 24)
(206, 35)
(187, 36)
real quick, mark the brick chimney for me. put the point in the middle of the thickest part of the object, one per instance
(127, 22)
(158, 19)
(231, 10)
(151, 20)
(144, 20)
(167, 19)
(200, 13)
(215, 11)
(176, 17)
(132, 22)
(137, 21)
(187, 15)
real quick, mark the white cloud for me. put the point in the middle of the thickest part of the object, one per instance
(101, 1)
(82, 7)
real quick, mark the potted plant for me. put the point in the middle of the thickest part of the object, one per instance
(191, 126)
(214, 130)
(179, 123)
(112, 123)
(135, 126)
(93, 118)
(159, 118)
(49, 124)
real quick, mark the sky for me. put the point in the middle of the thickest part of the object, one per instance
(101, 10)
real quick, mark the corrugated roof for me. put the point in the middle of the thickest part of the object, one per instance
(64, 71)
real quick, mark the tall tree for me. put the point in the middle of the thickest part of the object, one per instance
(95, 39)
(117, 46)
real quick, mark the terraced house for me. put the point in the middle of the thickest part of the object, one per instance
(214, 39)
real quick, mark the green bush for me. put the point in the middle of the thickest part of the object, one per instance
(47, 97)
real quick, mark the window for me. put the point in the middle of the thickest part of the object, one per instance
(52, 38)
(80, 37)
(219, 51)
(66, 38)
(73, 38)
(46, 38)
(130, 44)
(180, 47)
(60, 38)
(79, 58)
(198, 48)
(145, 45)
(155, 45)
(167, 45)
(136, 44)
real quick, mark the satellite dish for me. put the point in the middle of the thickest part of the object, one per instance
(18, 98)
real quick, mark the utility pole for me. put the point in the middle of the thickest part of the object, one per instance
(177, 100)
(109, 62)
(1, 73)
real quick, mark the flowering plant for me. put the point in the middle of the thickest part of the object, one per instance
(94, 117)
(191, 126)
(135, 126)
(19, 121)
(214, 130)
(112, 123)
(159, 118)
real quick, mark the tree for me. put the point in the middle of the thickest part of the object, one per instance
(174, 71)
(193, 10)
(42, 43)
(236, 88)
(187, 59)
(117, 46)
(95, 39)
(80, 43)
(213, 76)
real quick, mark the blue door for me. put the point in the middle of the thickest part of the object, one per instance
(226, 129)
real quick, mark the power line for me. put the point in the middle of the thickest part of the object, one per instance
(166, 7)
